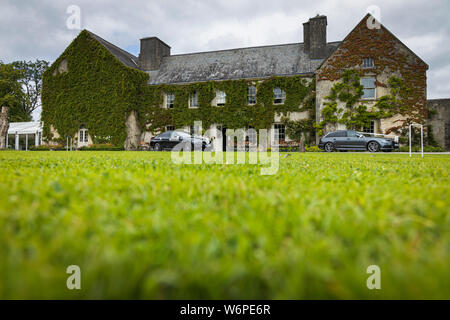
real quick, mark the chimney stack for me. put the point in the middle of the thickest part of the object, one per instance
(315, 37)
(151, 53)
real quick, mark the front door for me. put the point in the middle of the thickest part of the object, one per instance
(223, 130)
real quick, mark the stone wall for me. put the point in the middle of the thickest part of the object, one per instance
(391, 58)
(439, 119)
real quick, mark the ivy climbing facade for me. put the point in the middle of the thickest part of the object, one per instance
(369, 81)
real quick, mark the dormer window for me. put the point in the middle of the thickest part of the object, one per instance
(279, 95)
(368, 63)
(193, 100)
(221, 98)
(170, 100)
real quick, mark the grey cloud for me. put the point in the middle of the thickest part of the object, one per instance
(37, 29)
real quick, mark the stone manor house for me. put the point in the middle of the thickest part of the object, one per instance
(370, 49)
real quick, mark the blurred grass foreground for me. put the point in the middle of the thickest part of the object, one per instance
(141, 227)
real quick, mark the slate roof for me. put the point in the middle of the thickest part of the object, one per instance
(123, 56)
(243, 63)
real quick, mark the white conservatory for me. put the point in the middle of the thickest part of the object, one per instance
(23, 135)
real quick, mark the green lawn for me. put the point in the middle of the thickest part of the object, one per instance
(140, 226)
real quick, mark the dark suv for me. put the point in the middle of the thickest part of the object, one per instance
(352, 140)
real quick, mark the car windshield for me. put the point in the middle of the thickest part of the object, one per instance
(365, 134)
(182, 134)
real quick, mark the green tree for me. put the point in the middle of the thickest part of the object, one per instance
(31, 83)
(11, 94)
(299, 130)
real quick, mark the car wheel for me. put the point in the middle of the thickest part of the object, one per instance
(157, 147)
(373, 146)
(329, 147)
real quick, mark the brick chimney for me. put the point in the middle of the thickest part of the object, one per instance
(315, 37)
(151, 53)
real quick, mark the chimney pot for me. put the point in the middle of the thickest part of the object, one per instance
(153, 50)
(315, 37)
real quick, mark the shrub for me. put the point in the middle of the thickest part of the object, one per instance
(312, 149)
(57, 147)
(418, 149)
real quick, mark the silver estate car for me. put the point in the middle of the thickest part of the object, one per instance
(351, 140)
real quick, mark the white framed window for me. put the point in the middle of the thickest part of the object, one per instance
(170, 128)
(368, 63)
(251, 95)
(221, 98)
(193, 100)
(279, 95)
(83, 136)
(280, 132)
(369, 87)
(170, 100)
(370, 128)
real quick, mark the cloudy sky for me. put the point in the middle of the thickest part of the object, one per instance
(37, 29)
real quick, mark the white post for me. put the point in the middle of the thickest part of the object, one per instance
(36, 139)
(410, 140)
(421, 137)
(26, 141)
(17, 141)
(67, 143)
(6, 140)
(70, 143)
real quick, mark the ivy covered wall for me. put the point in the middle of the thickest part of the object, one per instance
(236, 113)
(88, 86)
(395, 68)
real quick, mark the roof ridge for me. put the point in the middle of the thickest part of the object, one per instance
(111, 44)
(245, 48)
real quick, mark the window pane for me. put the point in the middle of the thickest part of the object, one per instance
(193, 100)
(369, 93)
(368, 63)
(368, 82)
(279, 95)
(221, 97)
(280, 135)
(170, 100)
(251, 95)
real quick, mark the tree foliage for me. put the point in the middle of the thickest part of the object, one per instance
(11, 94)
(355, 115)
(31, 83)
